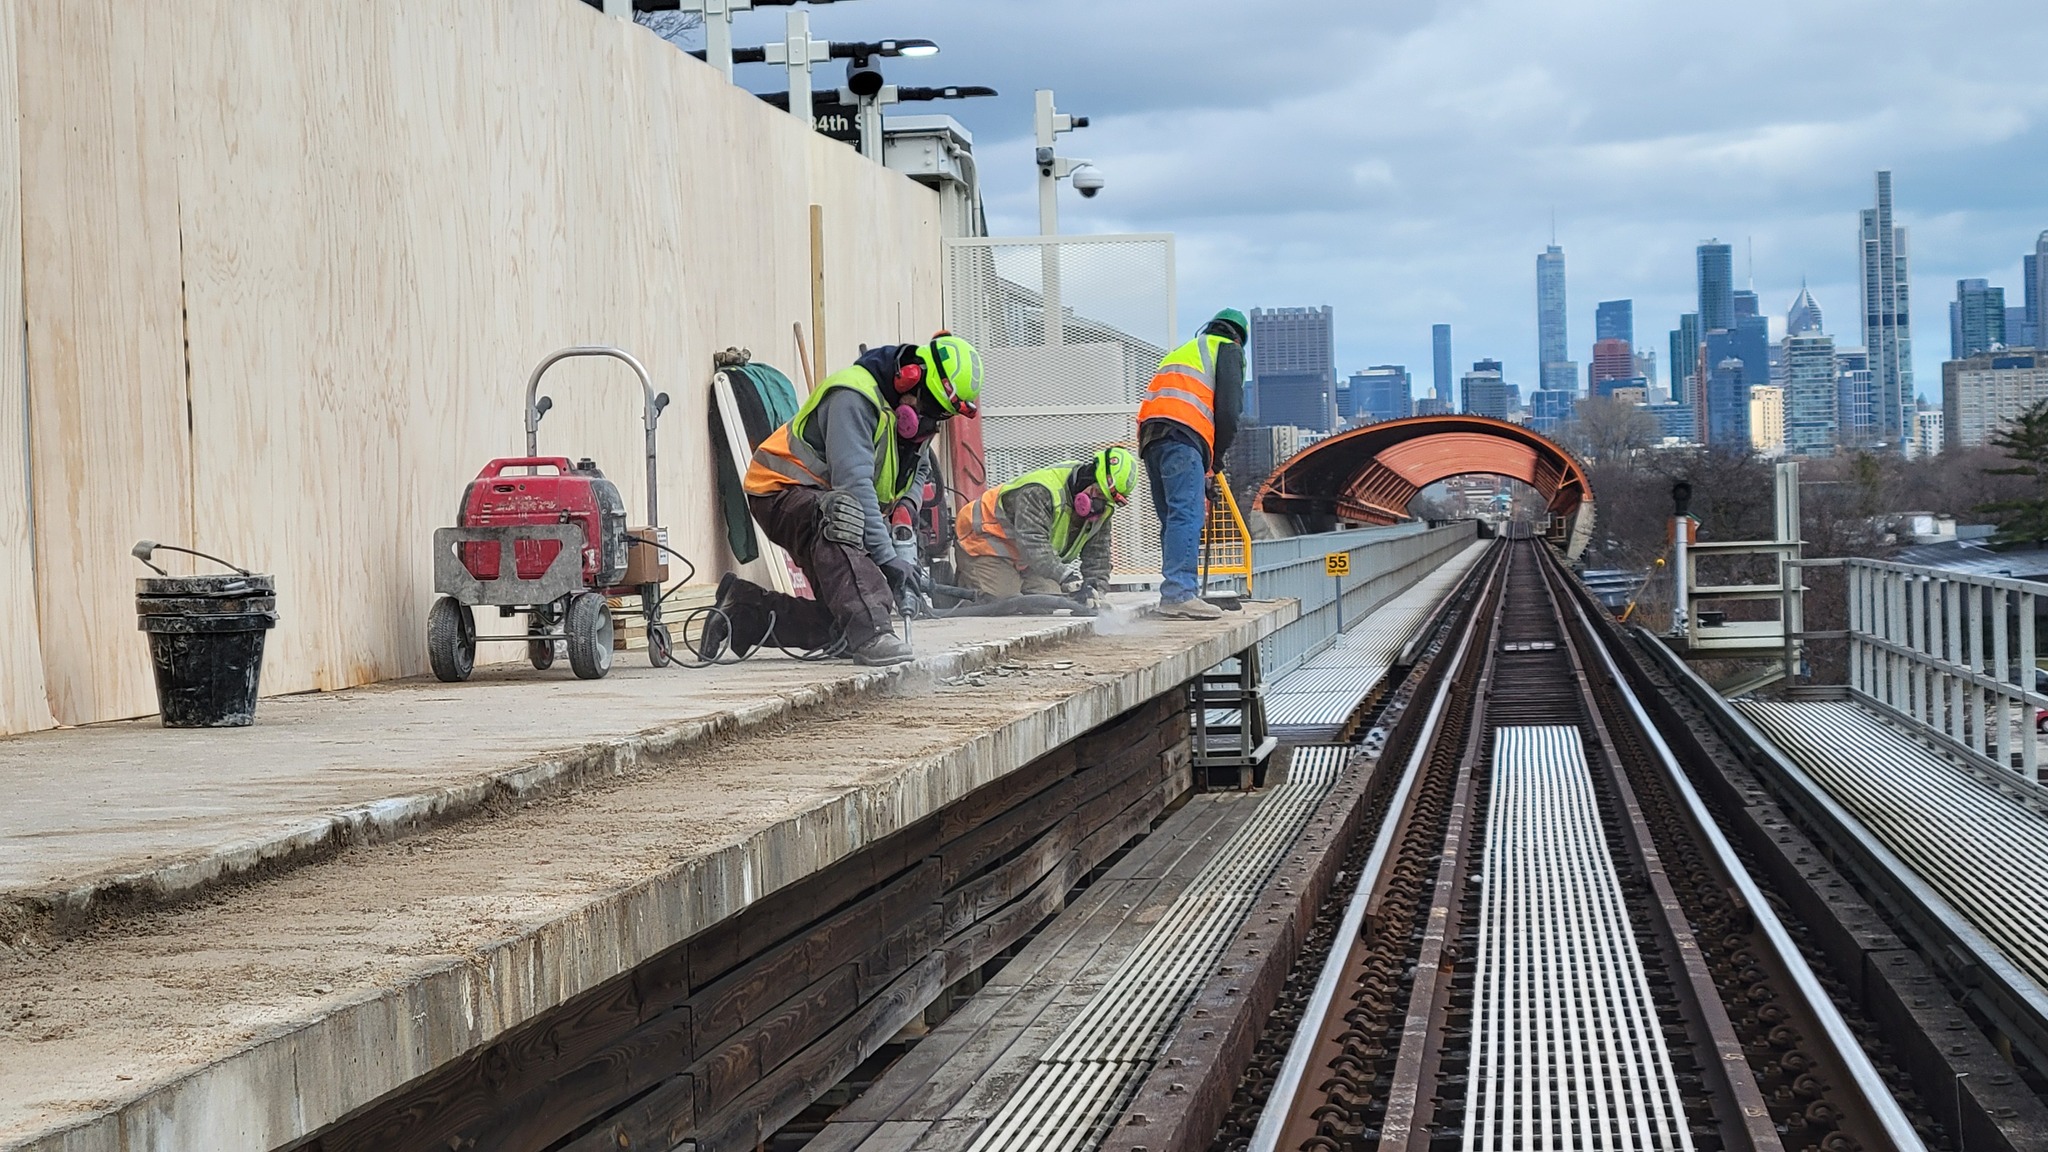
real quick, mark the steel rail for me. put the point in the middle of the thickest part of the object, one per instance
(1947, 939)
(1868, 1085)
(1280, 1102)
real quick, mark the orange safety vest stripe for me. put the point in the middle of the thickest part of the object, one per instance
(979, 527)
(1184, 388)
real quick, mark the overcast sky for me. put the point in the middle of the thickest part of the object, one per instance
(1401, 161)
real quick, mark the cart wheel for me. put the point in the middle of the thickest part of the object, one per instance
(451, 640)
(660, 647)
(588, 624)
(540, 653)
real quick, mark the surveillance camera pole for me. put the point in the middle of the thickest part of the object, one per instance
(1047, 124)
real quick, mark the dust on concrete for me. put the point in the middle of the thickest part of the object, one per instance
(136, 1002)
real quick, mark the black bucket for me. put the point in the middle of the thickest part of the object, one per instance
(206, 645)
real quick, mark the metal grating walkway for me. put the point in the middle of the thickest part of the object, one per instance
(1075, 1091)
(1984, 850)
(1567, 1049)
(1316, 700)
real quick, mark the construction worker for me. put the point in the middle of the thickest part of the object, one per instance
(1047, 532)
(817, 486)
(1186, 423)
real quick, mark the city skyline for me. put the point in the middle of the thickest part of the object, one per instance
(1429, 210)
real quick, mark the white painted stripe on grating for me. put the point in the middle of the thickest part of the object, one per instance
(1985, 852)
(1567, 1050)
(1085, 1077)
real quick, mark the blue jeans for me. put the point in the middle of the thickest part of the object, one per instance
(1180, 499)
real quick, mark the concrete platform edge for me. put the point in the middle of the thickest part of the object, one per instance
(58, 911)
(355, 1053)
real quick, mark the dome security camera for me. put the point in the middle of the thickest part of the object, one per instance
(1088, 180)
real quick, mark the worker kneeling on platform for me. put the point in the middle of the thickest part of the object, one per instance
(1185, 425)
(817, 486)
(1047, 532)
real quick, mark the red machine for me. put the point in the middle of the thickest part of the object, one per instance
(563, 528)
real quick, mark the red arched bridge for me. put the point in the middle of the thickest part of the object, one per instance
(1369, 475)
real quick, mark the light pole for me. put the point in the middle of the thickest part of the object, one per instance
(870, 91)
(718, 25)
(799, 52)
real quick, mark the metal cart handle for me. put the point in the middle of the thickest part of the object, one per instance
(653, 405)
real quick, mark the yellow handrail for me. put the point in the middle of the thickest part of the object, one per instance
(1226, 542)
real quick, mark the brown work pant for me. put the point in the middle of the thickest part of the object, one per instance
(996, 576)
(853, 597)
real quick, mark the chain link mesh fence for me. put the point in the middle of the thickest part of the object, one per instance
(1070, 330)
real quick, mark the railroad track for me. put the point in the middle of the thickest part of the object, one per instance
(1548, 943)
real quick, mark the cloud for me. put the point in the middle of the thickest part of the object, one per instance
(1402, 162)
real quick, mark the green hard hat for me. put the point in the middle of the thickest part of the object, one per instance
(1116, 472)
(952, 371)
(1235, 319)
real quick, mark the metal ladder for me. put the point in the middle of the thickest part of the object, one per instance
(1227, 716)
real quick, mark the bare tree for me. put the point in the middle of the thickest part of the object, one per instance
(674, 27)
(1608, 430)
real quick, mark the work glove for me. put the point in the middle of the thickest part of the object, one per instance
(1070, 577)
(1093, 596)
(902, 575)
(1214, 491)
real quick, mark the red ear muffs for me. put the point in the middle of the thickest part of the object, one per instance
(908, 377)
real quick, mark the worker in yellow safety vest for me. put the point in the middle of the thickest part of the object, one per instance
(818, 485)
(1047, 532)
(1185, 425)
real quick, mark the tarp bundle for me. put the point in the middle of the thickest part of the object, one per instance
(766, 400)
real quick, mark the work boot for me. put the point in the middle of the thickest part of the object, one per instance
(883, 650)
(1192, 608)
(717, 629)
(740, 623)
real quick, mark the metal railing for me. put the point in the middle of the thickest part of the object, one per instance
(1383, 563)
(1950, 653)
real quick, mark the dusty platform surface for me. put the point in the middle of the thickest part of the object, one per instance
(133, 810)
(265, 1009)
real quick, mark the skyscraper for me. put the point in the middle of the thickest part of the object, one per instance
(1738, 360)
(1485, 390)
(1887, 327)
(1615, 320)
(1685, 355)
(1803, 316)
(1976, 319)
(1853, 393)
(1556, 369)
(2036, 295)
(1746, 303)
(1381, 392)
(1986, 392)
(1440, 349)
(1613, 359)
(1717, 286)
(1809, 393)
(1294, 358)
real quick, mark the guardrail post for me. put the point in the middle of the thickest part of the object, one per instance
(1977, 718)
(2001, 655)
(2030, 742)
(1952, 613)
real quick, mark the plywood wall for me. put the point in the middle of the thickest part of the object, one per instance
(288, 269)
(24, 706)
